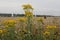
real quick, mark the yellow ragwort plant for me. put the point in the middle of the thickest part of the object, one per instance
(1, 31)
(9, 23)
(28, 14)
(10, 27)
(28, 10)
(40, 19)
(22, 19)
(52, 30)
(51, 27)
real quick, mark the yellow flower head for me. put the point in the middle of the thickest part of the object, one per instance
(22, 19)
(47, 33)
(40, 19)
(27, 6)
(1, 31)
(29, 14)
(28, 10)
(51, 27)
(9, 22)
(12, 21)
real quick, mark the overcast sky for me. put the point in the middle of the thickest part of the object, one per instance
(48, 7)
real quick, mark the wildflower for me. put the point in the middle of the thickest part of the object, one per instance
(51, 27)
(40, 20)
(12, 21)
(1, 31)
(6, 22)
(54, 26)
(27, 6)
(29, 14)
(28, 10)
(9, 23)
(22, 19)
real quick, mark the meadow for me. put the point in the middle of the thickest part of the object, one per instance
(29, 27)
(18, 28)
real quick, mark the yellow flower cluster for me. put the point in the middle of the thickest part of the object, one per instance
(51, 27)
(22, 19)
(29, 14)
(3, 31)
(9, 22)
(40, 19)
(47, 33)
(27, 6)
